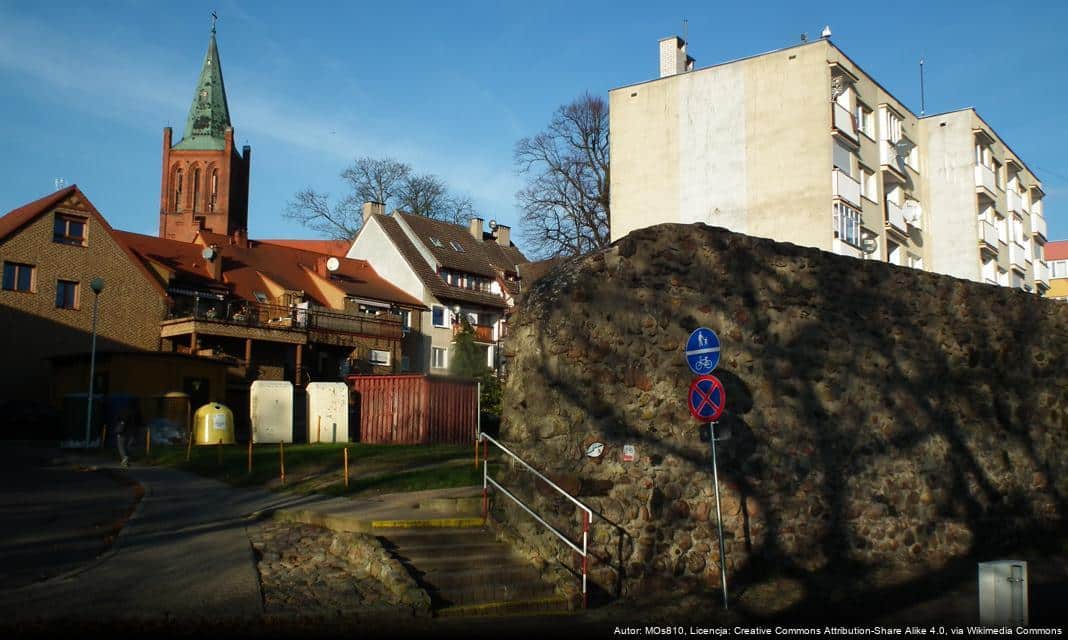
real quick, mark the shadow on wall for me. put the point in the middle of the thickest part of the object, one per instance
(889, 425)
(26, 394)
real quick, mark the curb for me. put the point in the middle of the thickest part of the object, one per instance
(451, 523)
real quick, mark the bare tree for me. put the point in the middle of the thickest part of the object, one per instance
(384, 180)
(565, 208)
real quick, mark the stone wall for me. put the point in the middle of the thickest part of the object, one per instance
(883, 419)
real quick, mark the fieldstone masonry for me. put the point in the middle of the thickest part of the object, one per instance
(885, 421)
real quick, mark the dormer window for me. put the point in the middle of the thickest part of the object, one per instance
(437, 243)
(69, 230)
(457, 246)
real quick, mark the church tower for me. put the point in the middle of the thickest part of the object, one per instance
(205, 180)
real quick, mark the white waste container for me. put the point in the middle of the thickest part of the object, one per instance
(271, 411)
(328, 412)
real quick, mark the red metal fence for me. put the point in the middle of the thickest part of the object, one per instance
(416, 409)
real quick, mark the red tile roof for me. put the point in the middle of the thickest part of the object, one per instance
(426, 273)
(1057, 250)
(328, 247)
(17, 218)
(245, 270)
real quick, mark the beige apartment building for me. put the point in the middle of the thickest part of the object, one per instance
(801, 145)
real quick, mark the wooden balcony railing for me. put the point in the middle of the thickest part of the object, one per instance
(483, 333)
(274, 316)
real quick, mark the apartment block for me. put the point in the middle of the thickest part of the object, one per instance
(801, 145)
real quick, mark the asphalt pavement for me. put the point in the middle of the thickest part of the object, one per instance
(183, 556)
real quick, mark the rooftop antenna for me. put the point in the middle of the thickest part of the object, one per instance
(923, 97)
(59, 183)
(804, 37)
(826, 32)
(685, 30)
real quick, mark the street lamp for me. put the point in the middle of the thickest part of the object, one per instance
(97, 285)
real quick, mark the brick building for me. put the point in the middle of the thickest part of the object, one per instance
(204, 183)
(51, 249)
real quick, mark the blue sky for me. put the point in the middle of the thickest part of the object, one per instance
(450, 86)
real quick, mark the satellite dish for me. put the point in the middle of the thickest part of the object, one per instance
(903, 147)
(826, 32)
(595, 450)
(332, 264)
(493, 224)
(208, 253)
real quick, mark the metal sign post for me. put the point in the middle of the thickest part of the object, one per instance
(719, 517)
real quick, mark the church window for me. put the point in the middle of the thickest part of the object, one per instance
(196, 188)
(177, 189)
(214, 197)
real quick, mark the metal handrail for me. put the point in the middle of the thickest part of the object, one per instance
(587, 513)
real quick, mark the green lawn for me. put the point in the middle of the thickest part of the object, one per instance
(318, 467)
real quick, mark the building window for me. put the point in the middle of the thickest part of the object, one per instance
(438, 358)
(893, 253)
(438, 316)
(865, 120)
(847, 224)
(196, 189)
(18, 277)
(69, 230)
(177, 189)
(998, 180)
(214, 197)
(434, 241)
(457, 246)
(1057, 269)
(868, 187)
(66, 294)
(379, 357)
(891, 126)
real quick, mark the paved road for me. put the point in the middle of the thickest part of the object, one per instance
(183, 556)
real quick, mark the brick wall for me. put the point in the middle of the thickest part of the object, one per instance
(130, 307)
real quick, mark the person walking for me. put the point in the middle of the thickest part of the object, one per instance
(120, 441)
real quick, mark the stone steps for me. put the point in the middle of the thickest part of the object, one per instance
(467, 572)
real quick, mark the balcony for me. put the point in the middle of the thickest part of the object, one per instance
(1041, 272)
(844, 123)
(1038, 226)
(984, 180)
(895, 218)
(1018, 256)
(483, 332)
(889, 159)
(988, 236)
(276, 323)
(1014, 201)
(845, 188)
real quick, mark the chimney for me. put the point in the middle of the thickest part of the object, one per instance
(373, 208)
(214, 264)
(503, 235)
(475, 227)
(239, 238)
(673, 57)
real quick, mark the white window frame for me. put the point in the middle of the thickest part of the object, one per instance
(865, 120)
(868, 187)
(846, 223)
(434, 351)
(444, 317)
(380, 360)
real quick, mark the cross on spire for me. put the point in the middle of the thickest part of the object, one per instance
(214, 18)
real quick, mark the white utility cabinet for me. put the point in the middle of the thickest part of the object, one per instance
(328, 412)
(271, 411)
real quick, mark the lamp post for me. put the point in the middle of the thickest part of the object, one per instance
(97, 285)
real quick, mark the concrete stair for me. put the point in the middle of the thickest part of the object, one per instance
(467, 571)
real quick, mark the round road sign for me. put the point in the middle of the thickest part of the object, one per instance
(707, 398)
(702, 351)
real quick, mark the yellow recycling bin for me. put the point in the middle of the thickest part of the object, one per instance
(213, 423)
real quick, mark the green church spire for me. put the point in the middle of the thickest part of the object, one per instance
(209, 116)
